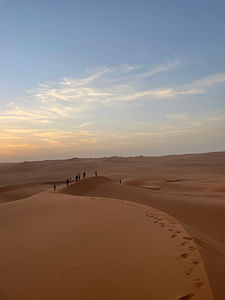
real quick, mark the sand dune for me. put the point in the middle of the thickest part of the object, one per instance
(200, 169)
(201, 214)
(57, 246)
(21, 191)
(84, 186)
(187, 187)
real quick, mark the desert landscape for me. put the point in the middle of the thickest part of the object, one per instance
(112, 150)
(159, 234)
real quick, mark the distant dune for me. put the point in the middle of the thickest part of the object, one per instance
(36, 222)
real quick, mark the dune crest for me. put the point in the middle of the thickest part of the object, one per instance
(76, 247)
(188, 187)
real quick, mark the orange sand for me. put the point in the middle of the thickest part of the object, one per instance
(57, 246)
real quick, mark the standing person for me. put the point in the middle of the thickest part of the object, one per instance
(84, 175)
(120, 181)
(54, 187)
(96, 174)
(67, 181)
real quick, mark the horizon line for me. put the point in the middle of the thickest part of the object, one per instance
(113, 156)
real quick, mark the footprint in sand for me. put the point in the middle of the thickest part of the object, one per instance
(150, 216)
(188, 238)
(186, 297)
(185, 255)
(189, 271)
(183, 243)
(198, 283)
(173, 236)
(192, 248)
(195, 262)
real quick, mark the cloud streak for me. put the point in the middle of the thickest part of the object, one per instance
(61, 113)
(161, 68)
(71, 98)
(79, 97)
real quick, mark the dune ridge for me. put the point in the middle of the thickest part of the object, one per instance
(96, 248)
(201, 217)
(188, 187)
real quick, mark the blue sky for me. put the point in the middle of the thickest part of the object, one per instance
(98, 78)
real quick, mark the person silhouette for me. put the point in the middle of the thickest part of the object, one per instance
(96, 174)
(84, 175)
(54, 187)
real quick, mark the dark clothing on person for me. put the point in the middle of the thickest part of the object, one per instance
(96, 174)
(54, 187)
(84, 175)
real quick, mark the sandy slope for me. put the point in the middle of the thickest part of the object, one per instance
(202, 215)
(21, 191)
(188, 187)
(57, 246)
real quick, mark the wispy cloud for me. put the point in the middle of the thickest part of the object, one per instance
(161, 68)
(177, 117)
(62, 112)
(202, 85)
(85, 124)
(75, 97)
(71, 97)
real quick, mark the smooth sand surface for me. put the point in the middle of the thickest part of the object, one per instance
(202, 215)
(21, 191)
(187, 187)
(56, 246)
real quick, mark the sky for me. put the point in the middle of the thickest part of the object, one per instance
(101, 78)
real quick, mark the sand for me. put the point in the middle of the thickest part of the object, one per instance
(158, 235)
(57, 246)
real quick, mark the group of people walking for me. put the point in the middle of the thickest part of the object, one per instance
(77, 178)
